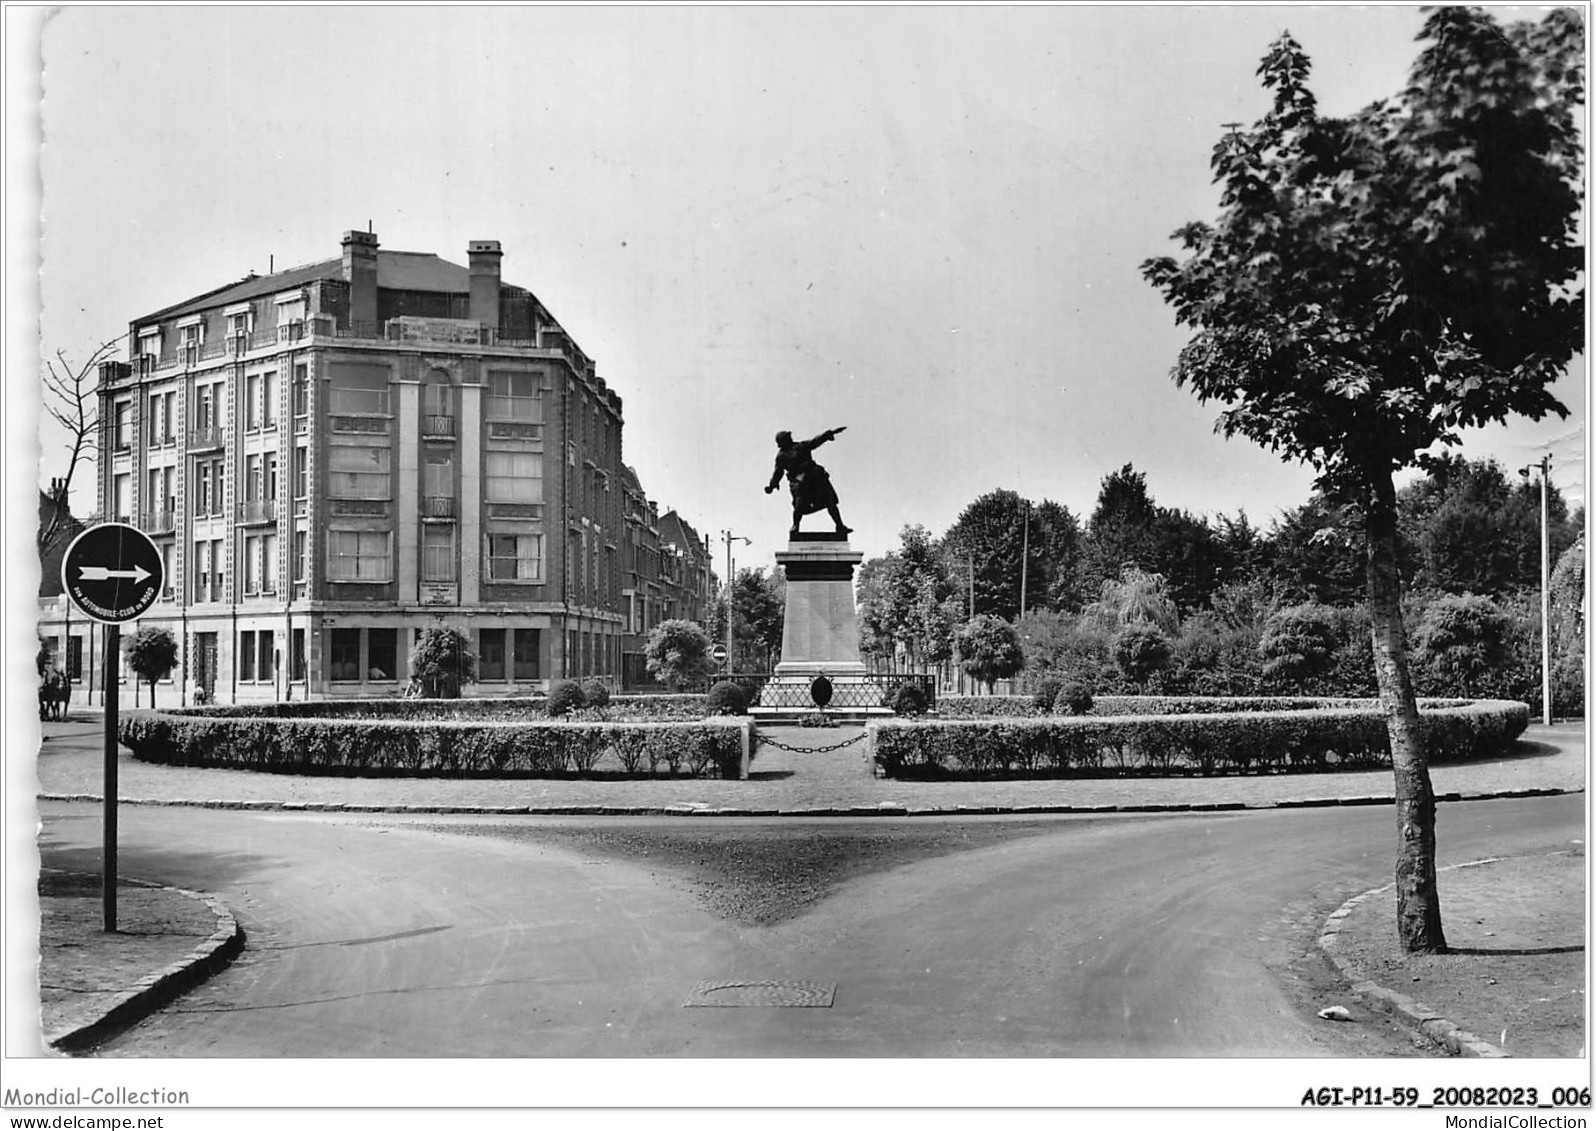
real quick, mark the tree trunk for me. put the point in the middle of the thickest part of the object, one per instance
(1418, 902)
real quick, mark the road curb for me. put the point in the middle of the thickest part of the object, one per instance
(154, 990)
(882, 809)
(1411, 1012)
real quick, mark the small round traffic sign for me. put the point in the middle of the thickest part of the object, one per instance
(112, 572)
(718, 653)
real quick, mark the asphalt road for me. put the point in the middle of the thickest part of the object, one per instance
(1153, 936)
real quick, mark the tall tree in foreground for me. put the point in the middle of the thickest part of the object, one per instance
(1376, 283)
(69, 398)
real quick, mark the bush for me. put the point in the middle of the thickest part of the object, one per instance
(727, 698)
(595, 693)
(1141, 650)
(442, 662)
(908, 699)
(565, 696)
(677, 654)
(369, 748)
(1075, 696)
(1205, 743)
(1046, 694)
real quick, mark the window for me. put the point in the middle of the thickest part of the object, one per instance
(150, 342)
(301, 472)
(357, 400)
(168, 578)
(437, 398)
(515, 557)
(269, 490)
(252, 401)
(246, 657)
(490, 654)
(240, 321)
(438, 476)
(202, 571)
(267, 670)
(74, 664)
(218, 559)
(122, 497)
(344, 661)
(358, 555)
(296, 655)
(382, 650)
(122, 425)
(514, 396)
(268, 399)
(218, 474)
(204, 403)
(437, 552)
(159, 415)
(514, 477)
(301, 390)
(526, 654)
(252, 479)
(252, 564)
(268, 563)
(202, 488)
(301, 546)
(357, 472)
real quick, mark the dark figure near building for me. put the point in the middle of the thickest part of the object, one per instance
(811, 486)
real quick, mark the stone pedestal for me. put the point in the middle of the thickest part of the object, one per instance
(820, 631)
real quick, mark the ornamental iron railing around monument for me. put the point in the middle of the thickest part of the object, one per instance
(847, 691)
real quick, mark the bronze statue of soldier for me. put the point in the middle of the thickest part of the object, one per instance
(811, 486)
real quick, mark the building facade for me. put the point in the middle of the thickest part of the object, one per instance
(334, 457)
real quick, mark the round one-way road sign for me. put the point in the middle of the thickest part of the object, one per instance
(112, 572)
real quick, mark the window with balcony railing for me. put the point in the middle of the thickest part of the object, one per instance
(437, 506)
(437, 424)
(258, 510)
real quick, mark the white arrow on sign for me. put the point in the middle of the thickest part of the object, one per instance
(101, 573)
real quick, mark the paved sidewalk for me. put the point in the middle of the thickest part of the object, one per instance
(1516, 984)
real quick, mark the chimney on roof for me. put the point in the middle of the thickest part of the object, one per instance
(485, 256)
(360, 272)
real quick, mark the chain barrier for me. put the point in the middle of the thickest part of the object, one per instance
(762, 741)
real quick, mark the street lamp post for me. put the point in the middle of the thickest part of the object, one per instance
(1545, 467)
(729, 538)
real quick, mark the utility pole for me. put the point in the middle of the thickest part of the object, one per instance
(1545, 466)
(729, 538)
(1025, 554)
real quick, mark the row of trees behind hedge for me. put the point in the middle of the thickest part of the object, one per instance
(1221, 608)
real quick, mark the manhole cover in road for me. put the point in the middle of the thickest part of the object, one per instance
(814, 995)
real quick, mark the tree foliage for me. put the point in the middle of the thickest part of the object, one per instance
(1012, 544)
(989, 649)
(1461, 638)
(1141, 650)
(677, 654)
(152, 654)
(907, 604)
(1374, 284)
(442, 661)
(1298, 644)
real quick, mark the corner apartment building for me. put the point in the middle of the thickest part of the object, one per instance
(332, 457)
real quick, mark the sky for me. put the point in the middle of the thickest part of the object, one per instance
(923, 224)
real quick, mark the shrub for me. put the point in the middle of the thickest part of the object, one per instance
(1140, 650)
(727, 698)
(442, 661)
(152, 654)
(565, 696)
(368, 747)
(677, 654)
(908, 699)
(1298, 644)
(595, 693)
(1046, 695)
(1231, 742)
(1462, 639)
(1075, 696)
(990, 649)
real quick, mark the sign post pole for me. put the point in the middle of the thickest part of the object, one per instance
(113, 644)
(113, 574)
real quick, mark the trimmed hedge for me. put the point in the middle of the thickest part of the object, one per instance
(410, 747)
(1237, 741)
(627, 708)
(1113, 706)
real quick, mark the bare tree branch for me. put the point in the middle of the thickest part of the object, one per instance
(71, 399)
